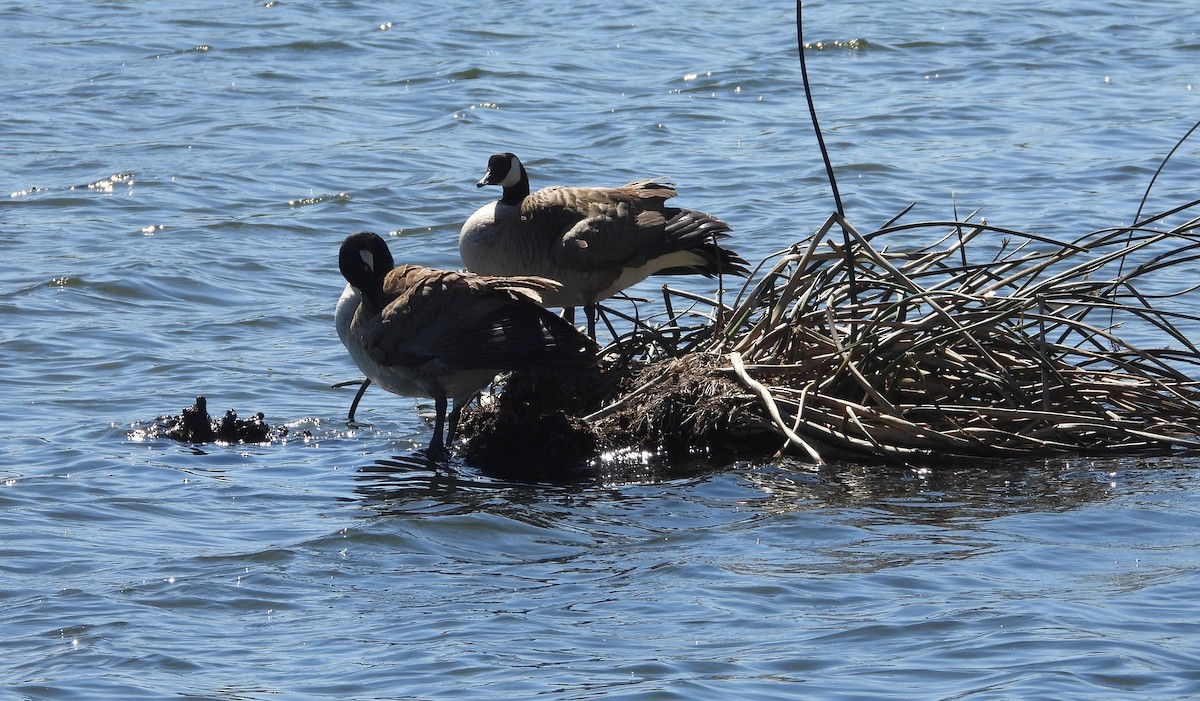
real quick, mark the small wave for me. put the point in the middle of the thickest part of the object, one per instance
(466, 74)
(199, 49)
(309, 46)
(106, 185)
(845, 44)
(466, 112)
(340, 197)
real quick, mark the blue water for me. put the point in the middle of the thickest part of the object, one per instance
(174, 184)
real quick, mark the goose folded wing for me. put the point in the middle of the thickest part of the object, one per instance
(615, 234)
(493, 331)
(652, 190)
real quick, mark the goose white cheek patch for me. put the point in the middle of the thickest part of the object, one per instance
(514, 174)
(368, 258)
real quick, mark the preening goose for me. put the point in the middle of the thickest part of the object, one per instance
(435, 333)
(596, 241)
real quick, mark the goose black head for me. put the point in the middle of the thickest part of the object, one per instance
(503, 169)
(364, 260)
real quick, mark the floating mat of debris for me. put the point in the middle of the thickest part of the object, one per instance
(194, 425)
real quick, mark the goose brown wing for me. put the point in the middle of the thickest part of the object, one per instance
(463, 322)
(653, 192)
(592, 229)
(624, 233)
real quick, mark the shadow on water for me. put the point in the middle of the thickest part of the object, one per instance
(415, 484)
(933, 495)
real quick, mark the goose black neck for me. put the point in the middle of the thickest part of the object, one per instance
(514, 194)
(372, 292)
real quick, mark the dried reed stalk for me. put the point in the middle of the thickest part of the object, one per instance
(935, 351)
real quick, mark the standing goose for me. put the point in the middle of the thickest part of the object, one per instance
(596, 241)
(435, 333)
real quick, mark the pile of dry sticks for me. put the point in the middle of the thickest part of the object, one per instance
(860, 352)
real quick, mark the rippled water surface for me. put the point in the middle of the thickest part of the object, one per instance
(175, 184)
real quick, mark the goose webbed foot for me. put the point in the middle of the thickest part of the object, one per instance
(436, 451)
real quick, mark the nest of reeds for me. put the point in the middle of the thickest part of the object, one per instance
(987, 343)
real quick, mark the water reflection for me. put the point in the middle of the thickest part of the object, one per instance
(415, 473)
(947, 492)
(943, 494)
(414, 484)
(419, 484)
(772, 519)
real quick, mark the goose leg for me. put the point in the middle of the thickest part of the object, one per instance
(589, 311)
(354, 404)
(452, 422)
(436, 447)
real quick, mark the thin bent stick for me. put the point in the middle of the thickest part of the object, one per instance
(812, 112)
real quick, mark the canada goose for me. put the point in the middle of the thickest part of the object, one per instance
(436, 333)
(596, 241)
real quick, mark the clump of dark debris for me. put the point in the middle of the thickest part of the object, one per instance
(194, 425)
(554, 425)
(533, 428)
